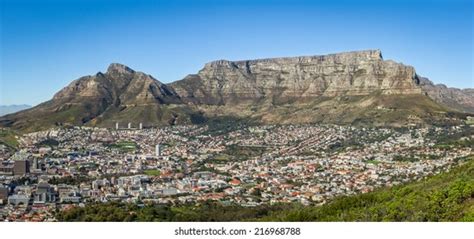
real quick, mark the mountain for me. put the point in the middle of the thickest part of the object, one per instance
(283, 80)
(459, 99)
(9, 109)
(119, 95)
(357, 87)
(352, 87)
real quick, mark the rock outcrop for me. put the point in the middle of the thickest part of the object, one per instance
(297, 78)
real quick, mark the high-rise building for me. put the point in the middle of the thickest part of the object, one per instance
(21, 167)
(116, 125)
(44, 193)
(140, 126)
(129, 125)
(35, 165)
(113, 181)
(157, 150)
(3, 194)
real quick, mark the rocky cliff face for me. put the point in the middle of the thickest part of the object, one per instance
(459, 99)
(297, 78)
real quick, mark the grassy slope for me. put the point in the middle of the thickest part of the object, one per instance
(49, 115)
(149, 115)
(7, 137)
(375, 109)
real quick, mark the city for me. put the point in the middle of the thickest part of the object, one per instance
(248, 165)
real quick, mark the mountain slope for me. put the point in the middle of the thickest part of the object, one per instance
(459, 99)
(120, 94)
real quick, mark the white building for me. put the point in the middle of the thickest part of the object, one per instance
(157, 150)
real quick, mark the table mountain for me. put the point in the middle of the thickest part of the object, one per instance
(297, 78)
(351, 87)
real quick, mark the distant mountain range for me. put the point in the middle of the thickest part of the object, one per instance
(8, 109)
(346, 88)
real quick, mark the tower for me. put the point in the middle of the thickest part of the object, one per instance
(140, 126)
(157, 150)
(116, 125)
(129, 125)
(35, 163)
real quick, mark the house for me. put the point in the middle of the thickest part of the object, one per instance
(235, 182)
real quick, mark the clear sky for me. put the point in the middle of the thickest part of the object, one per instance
(47, 44)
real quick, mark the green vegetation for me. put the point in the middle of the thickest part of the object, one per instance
(48, 143)
(208, 211)
(456, 143)
(414, 158)
(149, 115)
(445, 197)
(24, 181)
(373, 162)
(8, 138)
(225, 124)
(237, 152)
(203, 168)
(70, 180)
(356, 140)
(460, 139)
(54, 115)
(124, 146)
(152, 172)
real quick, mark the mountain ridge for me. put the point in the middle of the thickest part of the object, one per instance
(99, 99)
(345, 88)
(459, 99)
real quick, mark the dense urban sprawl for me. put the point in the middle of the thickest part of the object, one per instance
(248, 165)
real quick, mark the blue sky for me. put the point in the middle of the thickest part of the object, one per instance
(47, 44)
